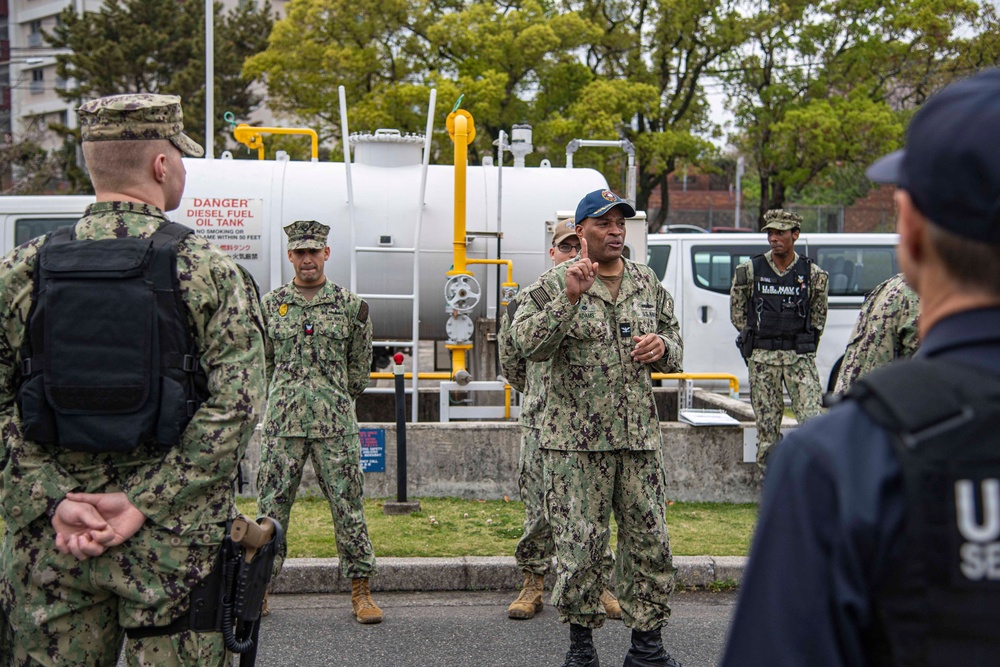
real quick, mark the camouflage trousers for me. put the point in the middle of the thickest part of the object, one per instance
(337, 462)
(6, 641)
(535, 548)
(74, 613)
(584, 488)
(767, 397)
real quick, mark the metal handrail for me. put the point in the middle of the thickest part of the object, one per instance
(734, 383)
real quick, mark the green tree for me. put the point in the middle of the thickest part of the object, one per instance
(818, 86)
(515, 63)
(658, 52)
(25, 167)
(571, 70)
(367, 46)
(503, 59)
(134, 46)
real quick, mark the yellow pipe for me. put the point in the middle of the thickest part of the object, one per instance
(510, 268)
(734, 383)
(461, 129)
(510, 271)
(506, 401)
(409, 376)
(252, 137)
(458, 358)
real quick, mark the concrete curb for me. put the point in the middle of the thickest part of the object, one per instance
(471, 573)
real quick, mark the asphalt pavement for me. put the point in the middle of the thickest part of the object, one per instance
(467, 629)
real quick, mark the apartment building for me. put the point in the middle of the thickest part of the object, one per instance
(28, 83)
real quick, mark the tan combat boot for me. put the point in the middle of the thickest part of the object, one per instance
(610, 603)
(365, 609)
(529, 602)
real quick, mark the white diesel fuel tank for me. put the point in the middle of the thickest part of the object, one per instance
(242, 206)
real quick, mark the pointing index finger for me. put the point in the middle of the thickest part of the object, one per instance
(583, 248)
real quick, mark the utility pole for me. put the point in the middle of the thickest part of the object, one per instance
(739, 176)
(209, 79)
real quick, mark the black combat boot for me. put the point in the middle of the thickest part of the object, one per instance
(647, 651)
(581, 648)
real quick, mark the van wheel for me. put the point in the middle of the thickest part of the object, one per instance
(832, 382)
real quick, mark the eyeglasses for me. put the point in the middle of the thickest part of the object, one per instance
(568, 247)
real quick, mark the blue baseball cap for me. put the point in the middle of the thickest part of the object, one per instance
(950, 166)
(599, 202)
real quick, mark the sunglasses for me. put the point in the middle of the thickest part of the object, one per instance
(568, 247)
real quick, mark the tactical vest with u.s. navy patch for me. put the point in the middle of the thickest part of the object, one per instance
(779, 305)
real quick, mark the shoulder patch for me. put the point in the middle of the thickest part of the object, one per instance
(540, 296)
(741, 275)
(512, 308)
(363, 312)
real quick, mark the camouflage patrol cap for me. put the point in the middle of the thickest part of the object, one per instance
(136, 116)
(781, 220)
(306, 235)
(563, 230)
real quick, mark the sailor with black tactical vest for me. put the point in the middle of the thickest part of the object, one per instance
(131, 370)
(778, 304)
(878, 541)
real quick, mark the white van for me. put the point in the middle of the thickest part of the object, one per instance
(697, 269)
(24, 218)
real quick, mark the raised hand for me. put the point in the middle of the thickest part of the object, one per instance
(580, 275)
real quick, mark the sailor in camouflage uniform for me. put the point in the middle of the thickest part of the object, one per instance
(787, 304)
(535, 548)
(319, 355)
(604, 323)
(98, 543)
(886, 329)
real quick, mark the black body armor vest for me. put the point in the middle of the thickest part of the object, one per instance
(941, 606)
(109, 361)
(779, 307)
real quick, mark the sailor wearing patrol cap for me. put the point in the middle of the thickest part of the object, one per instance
(158, 406)
(319, 352)
(778, 303)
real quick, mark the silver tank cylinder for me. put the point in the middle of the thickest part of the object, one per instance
(245, 204)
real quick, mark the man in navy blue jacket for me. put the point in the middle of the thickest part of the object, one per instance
(878, 541)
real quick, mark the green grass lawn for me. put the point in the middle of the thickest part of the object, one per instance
(455, 527)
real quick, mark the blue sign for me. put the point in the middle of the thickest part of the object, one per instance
(372, 449)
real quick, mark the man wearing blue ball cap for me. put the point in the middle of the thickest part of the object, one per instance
(878, 540)
(604, 322)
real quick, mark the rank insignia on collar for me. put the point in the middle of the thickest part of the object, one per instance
(283, 310)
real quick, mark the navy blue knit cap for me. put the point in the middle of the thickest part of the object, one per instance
(951, 164)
